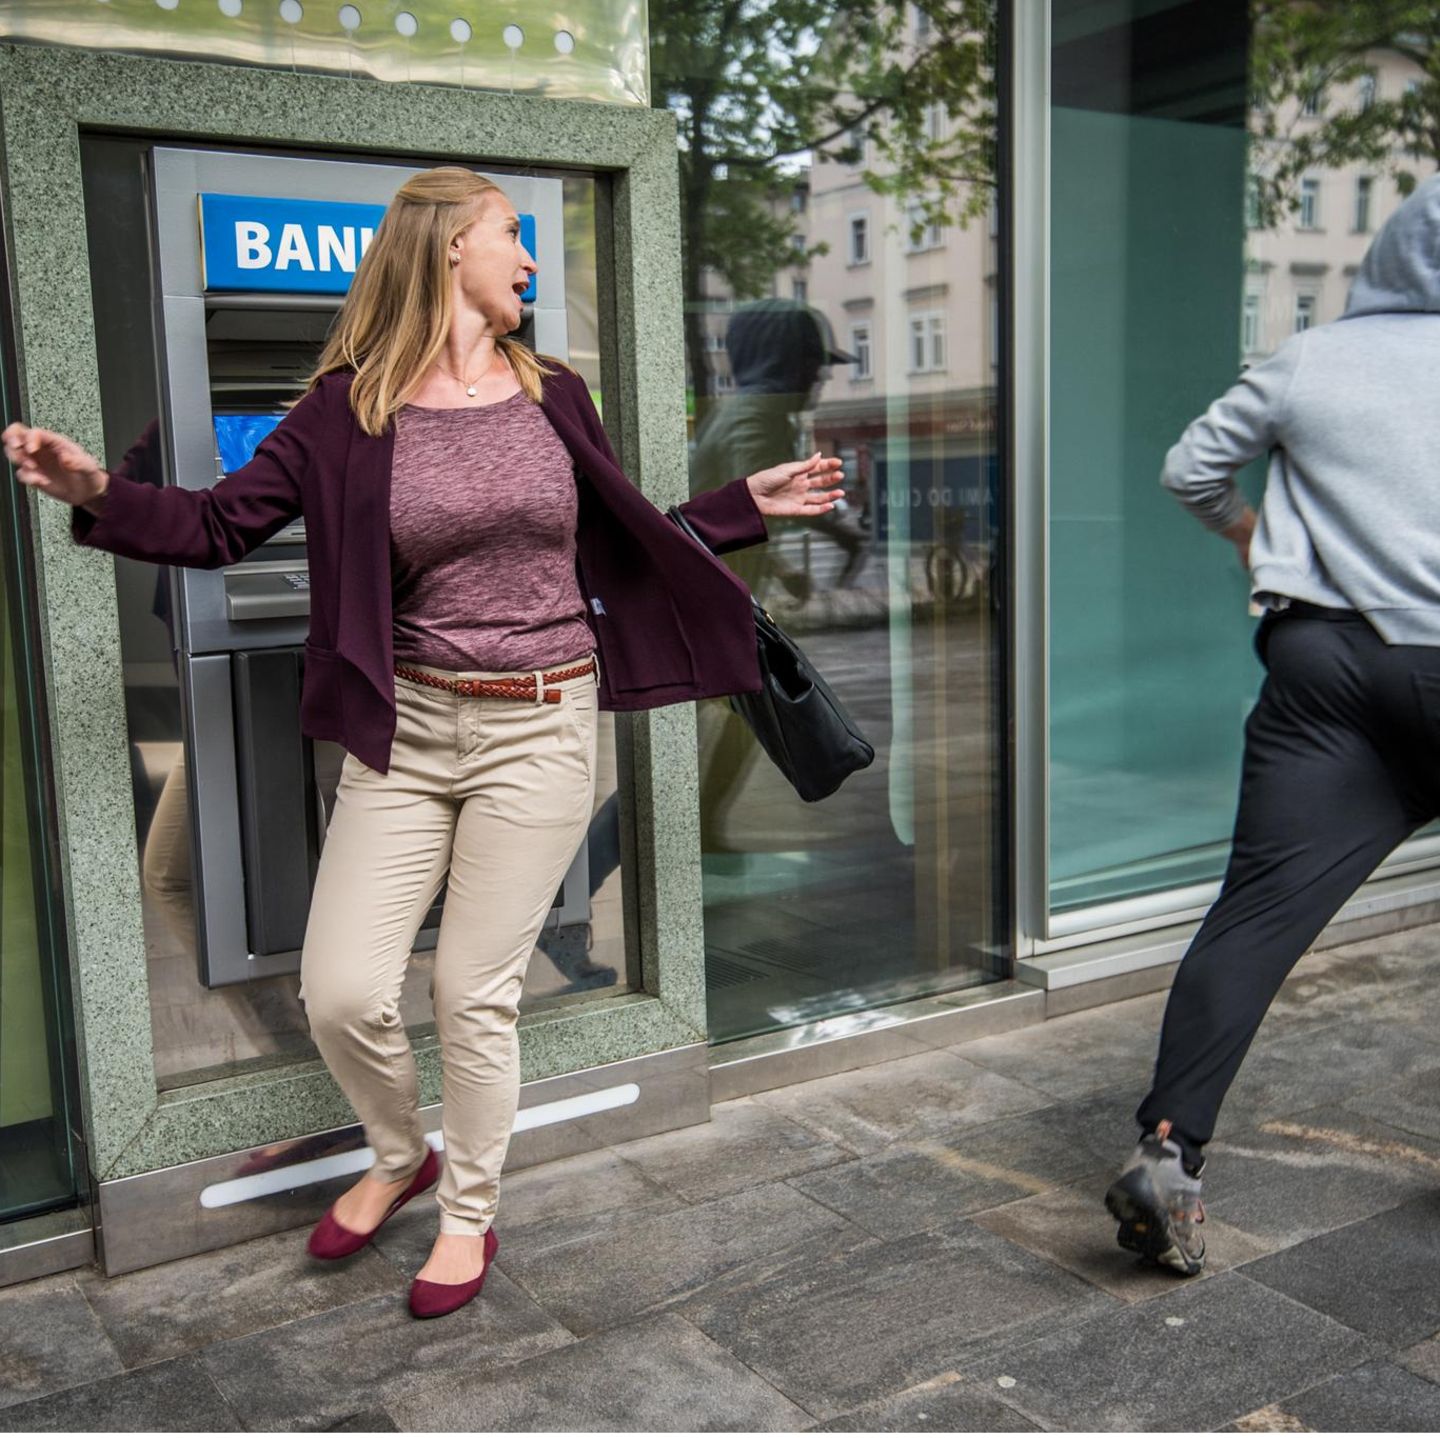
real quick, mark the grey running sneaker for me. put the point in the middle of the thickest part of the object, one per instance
(1157, 1204)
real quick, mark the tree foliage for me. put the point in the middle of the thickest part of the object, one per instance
(1325, 48)
(759, 86)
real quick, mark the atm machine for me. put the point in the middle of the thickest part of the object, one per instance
(253, 255)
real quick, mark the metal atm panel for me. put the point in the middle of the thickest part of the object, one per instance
(257, 801)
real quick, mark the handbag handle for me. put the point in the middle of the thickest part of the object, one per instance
(677, 517)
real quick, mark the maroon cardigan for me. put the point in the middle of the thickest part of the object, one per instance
(671, 622)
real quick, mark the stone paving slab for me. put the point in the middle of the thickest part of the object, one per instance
(1292, 1179)
(1295, 1071)
(923, 1183)
(912, 1098)
(1375, 1397)
(655, 1262)
(50, 1339)
(1070, 1226)
(552, 1204)
(175, 1308)
(1378, 1276)
(634, 1378)
(1199, 1358)
(1070, 1057)
(321, 1370)
(947, 1404)
(844, 1331)
(744, 1145)
(173, 1397)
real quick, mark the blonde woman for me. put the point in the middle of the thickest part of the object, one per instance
(474, 549)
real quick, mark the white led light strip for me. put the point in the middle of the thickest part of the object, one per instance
(317, 1170)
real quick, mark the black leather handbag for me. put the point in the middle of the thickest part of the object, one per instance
(799, 722)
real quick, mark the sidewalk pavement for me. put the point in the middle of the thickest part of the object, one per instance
(919, 1245)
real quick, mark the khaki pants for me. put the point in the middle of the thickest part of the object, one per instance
(495, 795)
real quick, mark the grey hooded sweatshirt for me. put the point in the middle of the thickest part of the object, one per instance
(1350, 414)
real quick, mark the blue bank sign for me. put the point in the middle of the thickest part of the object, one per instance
(294, 247)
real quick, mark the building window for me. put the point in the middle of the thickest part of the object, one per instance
(922, 24)
(1369, 85)
(799, 199)
(1311, 103)
(860, 348)
(927, 342)
(1364, 188)
(799, 290)
(1250, 325)
(920, 234)
(1304, 312)
(1252, 202)
(1310, 203)
(797, 243)
(937, 117)
(859, 239)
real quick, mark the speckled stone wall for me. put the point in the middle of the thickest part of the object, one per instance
(46, 98)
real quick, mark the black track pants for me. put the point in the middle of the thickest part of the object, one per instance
(1342, 762)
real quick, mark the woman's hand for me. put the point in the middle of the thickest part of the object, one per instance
(54, 465)
(800, 488)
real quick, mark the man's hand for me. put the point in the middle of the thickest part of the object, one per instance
(1240, 534)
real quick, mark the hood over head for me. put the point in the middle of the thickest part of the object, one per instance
(1401, 269)
(779, 347)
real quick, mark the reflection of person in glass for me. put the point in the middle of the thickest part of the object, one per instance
(780, 355)
(780, 352)
(1341, 758)
(473, 546)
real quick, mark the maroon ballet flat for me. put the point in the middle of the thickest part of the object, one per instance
(331, 1239)
(435, 1300)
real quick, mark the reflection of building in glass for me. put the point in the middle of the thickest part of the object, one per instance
(1298, 272)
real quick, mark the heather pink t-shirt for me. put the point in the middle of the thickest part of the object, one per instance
(483, 510)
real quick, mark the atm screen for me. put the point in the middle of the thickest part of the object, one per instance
(238, 434)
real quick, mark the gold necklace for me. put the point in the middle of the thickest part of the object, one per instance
(470, 384)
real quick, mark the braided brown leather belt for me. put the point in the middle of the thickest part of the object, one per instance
(517, 688)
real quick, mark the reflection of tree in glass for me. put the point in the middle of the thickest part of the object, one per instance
(759, 86)
(1313, 107)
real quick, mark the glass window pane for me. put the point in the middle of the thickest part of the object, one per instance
(37, 1163)
(887, 889)
(1151, 673)
(1210, 157)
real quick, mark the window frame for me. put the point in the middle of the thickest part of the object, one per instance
(862, 218)
(862, 346)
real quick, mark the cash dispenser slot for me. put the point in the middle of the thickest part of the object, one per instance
(275, 772)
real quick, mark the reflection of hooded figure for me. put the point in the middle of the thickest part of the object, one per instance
(780, 352)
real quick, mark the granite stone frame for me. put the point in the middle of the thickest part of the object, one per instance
(47, 97)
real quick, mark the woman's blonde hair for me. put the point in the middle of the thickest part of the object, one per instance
(394, 321)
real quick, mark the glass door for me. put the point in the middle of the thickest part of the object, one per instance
(38, 1109)
(842, 270)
